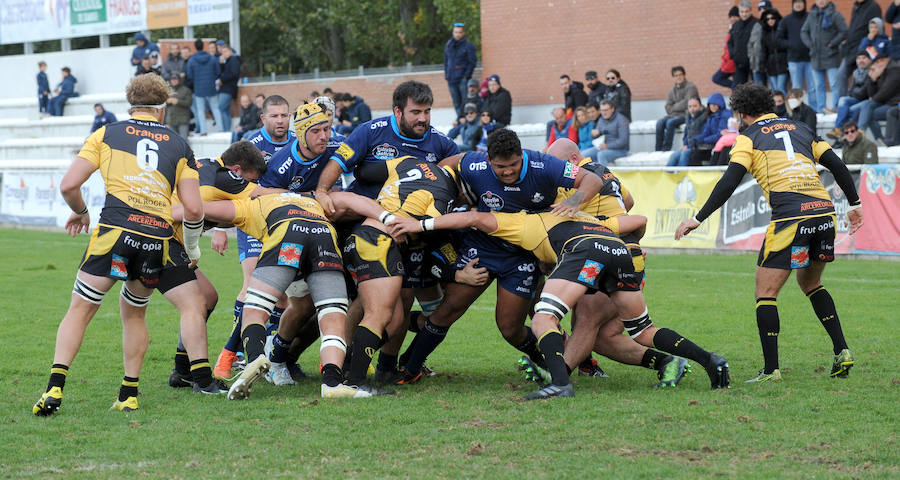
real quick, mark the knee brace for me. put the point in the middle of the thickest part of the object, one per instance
(552, 305)
(333, 341)
(331, 305)
(260, 301)
(429, 307)
(636, 326)
(87, 292)
(132, 299)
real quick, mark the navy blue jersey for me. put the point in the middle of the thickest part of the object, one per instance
(541, 177)
(264, 143)
(379, 140)
(289, 169)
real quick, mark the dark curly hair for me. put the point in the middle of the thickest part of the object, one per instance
(246, 155)
(503, 143)
(418, 92)
(753, 100)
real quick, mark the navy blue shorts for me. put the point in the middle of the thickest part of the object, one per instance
(248, 247)
(515, 269)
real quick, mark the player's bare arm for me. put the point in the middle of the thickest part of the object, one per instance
(588, 185)
(70, 189)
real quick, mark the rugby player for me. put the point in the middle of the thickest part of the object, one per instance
(506, 179)
(228, 177)
(275, 135)
(141, 161)
(407, 131)
(299, 243)
(781, 155)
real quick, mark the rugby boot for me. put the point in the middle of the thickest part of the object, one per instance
(49, 402)
(672, 370)
(427, 371)
(180, 380)
(254, 370)
(533, 372)
(385, 376)
(361, 390)
(551, 391)
(129, 405)
(775, 376)
(280, 375)
(718, 371)
(590, 368)
(842, 363)
(296, 372)
(408, 378)
(224, 363)
(216, 387)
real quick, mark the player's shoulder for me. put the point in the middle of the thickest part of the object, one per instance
(376, 125)
(473, 162)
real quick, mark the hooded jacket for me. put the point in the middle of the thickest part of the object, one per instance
(500, 106)
(789, 38)
(358, 112)
(880, 42)
(715, 122)
(459, 59)
(202, 70)
(140, 52)
(860, 15)
(823, 32)
(67, 86)
(774, 57)
(575, 97)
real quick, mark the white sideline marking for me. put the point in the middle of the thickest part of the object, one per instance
(753, 274)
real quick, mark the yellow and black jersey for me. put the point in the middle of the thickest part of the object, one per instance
(781, 155)
(217, 182)
(545, 234)
(141, 161)
(609, 201)
(268, 216)
(416, 188)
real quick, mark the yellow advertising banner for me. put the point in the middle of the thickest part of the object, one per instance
(666, 199)
(166, 13)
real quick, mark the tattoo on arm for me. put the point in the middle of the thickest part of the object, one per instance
(575, 200)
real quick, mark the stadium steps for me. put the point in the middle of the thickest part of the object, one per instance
(82, 105)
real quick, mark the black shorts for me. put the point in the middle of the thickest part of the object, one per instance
(124, 255)
(304, 245)
(370, 253)
(792, 244)
(176, 271)
(599, 263)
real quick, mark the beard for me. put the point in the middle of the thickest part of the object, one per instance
(408, 128)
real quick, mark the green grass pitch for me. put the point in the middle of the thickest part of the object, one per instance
(468, 422)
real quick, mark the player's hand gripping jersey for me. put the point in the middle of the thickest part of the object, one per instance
(217, 182)
(609, 202)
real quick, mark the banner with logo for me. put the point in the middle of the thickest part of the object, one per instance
(881, 209)
(33, 198)
(37, 20)
(666, 199)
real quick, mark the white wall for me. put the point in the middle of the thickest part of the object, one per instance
(98, 70)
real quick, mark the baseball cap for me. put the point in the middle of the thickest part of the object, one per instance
(470, 107)
(459, 24)
(495, 78)
(472, 83)
(590, 75)
(220, 42)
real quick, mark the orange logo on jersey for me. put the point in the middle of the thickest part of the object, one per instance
(427, 171)
(159, 137)
(816, 204)
(777, 127)
(147, 220)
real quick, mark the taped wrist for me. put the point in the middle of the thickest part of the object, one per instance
(192, 231)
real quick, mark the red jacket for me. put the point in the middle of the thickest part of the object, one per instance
(727, 63)
(569, 131)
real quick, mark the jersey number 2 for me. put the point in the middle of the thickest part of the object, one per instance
(788, 146)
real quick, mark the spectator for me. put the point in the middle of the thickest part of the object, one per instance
(738, 41)
(754, 46)
(858, 91)
(884, 93)
(676, 106)
(715, 126)
(861, 15)
(487, 125)
(174, 63)
(573, 93)
(260, 98)
(694, 118)
(143, 48)
(892, 127)
(102, 118)
(178, 105)
(459, 64)
(146, 66)
(613, 126)
(466, 128)
(64, 91)
(227, 83)
(218, 44)
(774, 56)
(202, 70)
(583, 125)
(800, 112)
(43, 88)
(249, 119)
(472, 95)
(892, 17)
(722, 148)
(562, 127)
(724, 76)
(855, 147)
(357, 112)
(875, 39)
(498, 101)
(780, 105)
(156, 62)
(328, 92)
(618, 93)
(596, 88)
(823, 32)
(789, 37)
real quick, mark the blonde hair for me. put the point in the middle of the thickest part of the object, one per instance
(146, 91)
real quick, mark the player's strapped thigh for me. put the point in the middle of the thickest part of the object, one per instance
(278, 277)
(370, 253)
(134, 299)
(125, 255)
(789, 244)
(248, 247)
(87, 292)
(176, 271)
(550, 304)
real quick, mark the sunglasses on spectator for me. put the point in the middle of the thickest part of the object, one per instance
(850, 130)
(610, 78)
(485, 114)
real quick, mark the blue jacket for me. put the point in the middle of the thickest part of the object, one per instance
(140, 52)
(584, 136)
(67, 86)
(101, 120)
(43, 83)
(202, 70)
(467, 130)
(359, 112)
(459, 59)
(230, 74)
(715, 123)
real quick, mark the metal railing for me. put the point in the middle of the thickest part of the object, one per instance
(360, 71)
